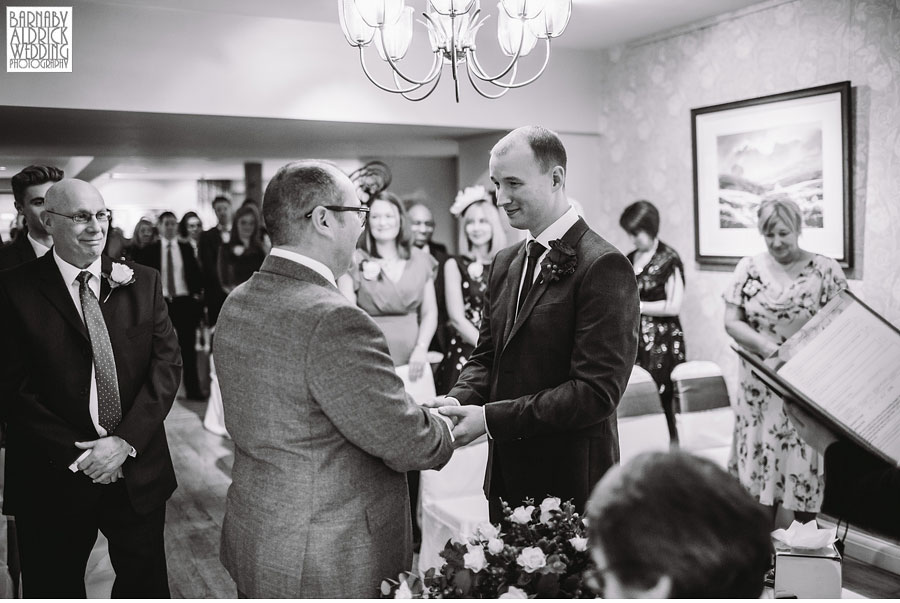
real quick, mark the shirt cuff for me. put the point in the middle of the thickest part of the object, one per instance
(74, 466)
(486, 430)
(446, 420)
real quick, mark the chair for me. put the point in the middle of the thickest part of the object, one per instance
(642, 424)
(705, 419)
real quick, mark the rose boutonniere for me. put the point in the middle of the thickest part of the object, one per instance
(751, 287)
(238, 250)
(370, 269)
(560, 261)
(475, 270)
(119, 275)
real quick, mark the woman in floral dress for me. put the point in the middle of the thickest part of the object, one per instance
(660, 278)
(771, 296)
(465, 279)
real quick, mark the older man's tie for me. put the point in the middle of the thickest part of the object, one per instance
(534, 250)
(109, 405)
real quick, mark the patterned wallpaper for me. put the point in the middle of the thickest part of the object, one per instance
(649, 88)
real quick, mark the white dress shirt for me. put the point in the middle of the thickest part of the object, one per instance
(551, 233)
(305, 260)
(39, 248)
(181, 288)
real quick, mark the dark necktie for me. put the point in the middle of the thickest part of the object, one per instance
(535, 250)
(108, 404)
(170, 271)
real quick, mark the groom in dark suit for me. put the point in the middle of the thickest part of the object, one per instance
(89, 368)
(557, 341)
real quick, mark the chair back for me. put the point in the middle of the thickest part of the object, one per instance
(706, 420)
(641, 396)
(698, 385)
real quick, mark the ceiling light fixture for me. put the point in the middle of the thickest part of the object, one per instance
(452, 26)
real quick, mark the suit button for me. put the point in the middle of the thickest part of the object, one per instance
(85, 391)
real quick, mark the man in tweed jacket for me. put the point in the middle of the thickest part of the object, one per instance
(322, 427)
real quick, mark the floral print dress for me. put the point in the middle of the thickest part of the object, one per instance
(767, 455)
(474, 285)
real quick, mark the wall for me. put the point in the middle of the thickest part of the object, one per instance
(648, 89)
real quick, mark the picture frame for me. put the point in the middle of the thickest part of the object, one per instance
(795, 145)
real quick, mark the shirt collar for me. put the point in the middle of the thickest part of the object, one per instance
(557, 229)
(304, 260)
(70, 273)
(39, 248)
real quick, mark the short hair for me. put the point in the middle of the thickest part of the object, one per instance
(640, 216)
(779, 210)
(677, 515)
(295, 190)
(182, 226)
(404, 237)
(164, 215)
(548, 149)
(31, 176)
(498, 240)
(221, 199)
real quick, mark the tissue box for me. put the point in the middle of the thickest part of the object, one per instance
(808, 574)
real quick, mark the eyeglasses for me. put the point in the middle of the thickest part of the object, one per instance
(362, 212)
(83, 217)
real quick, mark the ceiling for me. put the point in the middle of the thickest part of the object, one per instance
(152, 145)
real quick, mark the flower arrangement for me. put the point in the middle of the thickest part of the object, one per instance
(536, 551)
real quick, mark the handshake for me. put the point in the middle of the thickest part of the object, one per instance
(468, 421)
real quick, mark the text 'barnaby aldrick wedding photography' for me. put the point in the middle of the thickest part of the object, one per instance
(39, 39)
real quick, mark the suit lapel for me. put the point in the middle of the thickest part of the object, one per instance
(56, 291)
(514, 276)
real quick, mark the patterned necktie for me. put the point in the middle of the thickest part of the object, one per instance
(535, 250)
(108, 405)
(170, 271)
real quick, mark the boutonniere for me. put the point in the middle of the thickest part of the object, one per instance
(751, 287)
(475, 270)
(119, 275)
(560, 261)
(370, 269)
(238, 250)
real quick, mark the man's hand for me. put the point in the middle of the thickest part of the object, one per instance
(109, 478)
(469, 422)
(439, 401)
(811, 431)
(106, 457)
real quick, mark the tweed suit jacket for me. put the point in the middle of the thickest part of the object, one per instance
(323, 433)
(551, 377)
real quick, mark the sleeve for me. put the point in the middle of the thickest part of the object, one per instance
(733, 293)
(603, 353)
(352, 379)
(834, 280)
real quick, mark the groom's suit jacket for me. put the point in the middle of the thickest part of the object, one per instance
(323, 433)
(551, 378)
(45, 374)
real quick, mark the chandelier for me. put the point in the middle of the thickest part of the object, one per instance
(452, 27)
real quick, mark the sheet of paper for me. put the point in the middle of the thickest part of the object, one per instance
(850, 367)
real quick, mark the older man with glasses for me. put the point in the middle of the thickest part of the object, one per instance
(88, 371)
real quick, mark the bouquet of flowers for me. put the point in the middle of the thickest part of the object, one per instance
(536, 551)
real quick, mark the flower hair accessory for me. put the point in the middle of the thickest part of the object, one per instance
(560, 261)
(119, 275)
(466, 197)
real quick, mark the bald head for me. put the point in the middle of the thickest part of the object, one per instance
(67, 203)
(546, 146)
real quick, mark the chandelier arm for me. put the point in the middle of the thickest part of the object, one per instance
(479, 71)
(427, 94)
(398, 90)
(510, 84)
(487, 94)
(433, 72)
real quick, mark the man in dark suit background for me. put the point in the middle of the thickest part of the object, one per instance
(29, 188)
(210, 242)
(421, 222)
(89, 369)
(557, 342)
(182, 288)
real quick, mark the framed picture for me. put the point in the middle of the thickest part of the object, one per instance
(794, 145)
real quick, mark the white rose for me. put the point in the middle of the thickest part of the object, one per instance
(403, 592)
(495, 546)
(578, 543)
(474, 558)
(522, 514)
(551, 503)
(475, 269)
(370, 270)
(531, 559)
(514, 593)
(238, 250)
(120, 274)
(487, 531)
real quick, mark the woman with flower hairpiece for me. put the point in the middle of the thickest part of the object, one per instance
(465, 278)
(660, 278)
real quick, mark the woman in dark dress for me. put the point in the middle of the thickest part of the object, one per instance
(660, 277)
(465, 278)
(245, 251)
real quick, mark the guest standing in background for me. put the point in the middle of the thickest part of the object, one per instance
(771, 296)
(29, 187)
(144, 235)
(421, 220)
(210, 242)
(465, 278)
(190, 228)
(660, 278)
(244, 252)
(393, 281)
